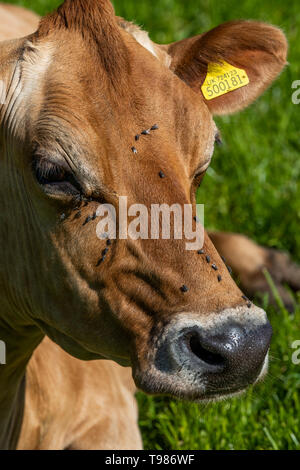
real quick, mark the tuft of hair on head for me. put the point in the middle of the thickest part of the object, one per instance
(96, 22)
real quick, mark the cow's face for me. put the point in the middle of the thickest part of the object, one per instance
(77, 94)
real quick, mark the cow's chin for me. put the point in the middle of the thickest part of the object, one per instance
(198, 394)
(75, 348)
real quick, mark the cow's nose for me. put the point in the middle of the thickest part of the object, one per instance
(230, 358)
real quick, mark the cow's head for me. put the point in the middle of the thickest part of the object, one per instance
(77, 93)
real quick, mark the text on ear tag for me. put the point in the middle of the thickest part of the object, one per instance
(223, 78)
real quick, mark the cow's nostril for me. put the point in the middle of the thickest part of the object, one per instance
(203, 353)
(234, 354)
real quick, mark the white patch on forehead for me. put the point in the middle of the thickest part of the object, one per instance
(35, 63)
(142, 37)
(26, 83)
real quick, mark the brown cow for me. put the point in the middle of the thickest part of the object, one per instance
(77, 92)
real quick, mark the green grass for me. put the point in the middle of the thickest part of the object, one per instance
(252, 187)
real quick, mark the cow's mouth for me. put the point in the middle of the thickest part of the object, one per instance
(192, 388)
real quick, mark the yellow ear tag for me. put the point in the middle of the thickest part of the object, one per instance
(223, 78)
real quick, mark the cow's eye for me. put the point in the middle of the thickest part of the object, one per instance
(48, 173)
(55, 178)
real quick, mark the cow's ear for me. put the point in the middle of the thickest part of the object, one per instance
(232, 64)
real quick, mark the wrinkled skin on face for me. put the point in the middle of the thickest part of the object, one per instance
(78, 92)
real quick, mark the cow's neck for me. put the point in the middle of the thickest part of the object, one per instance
(20, 339)
(17, 329)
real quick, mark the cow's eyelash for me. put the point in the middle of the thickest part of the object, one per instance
(55, 177)
(47, 171)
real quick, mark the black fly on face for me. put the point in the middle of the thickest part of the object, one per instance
(218, 138)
